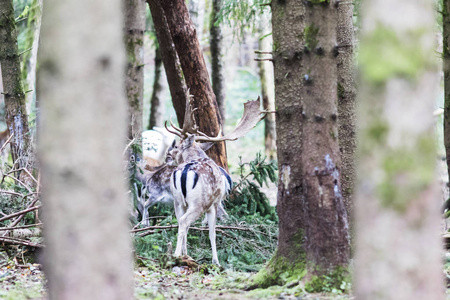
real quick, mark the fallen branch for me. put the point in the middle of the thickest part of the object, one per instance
(10, 240)
(7, 142)
(193, 228)
(22, 212)
(20, 227)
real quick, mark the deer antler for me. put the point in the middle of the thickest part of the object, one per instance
(189, 124)
(252, 115)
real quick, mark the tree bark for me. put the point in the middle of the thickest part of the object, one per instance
(346, 102)
(172, 66)
(313, 227)
(134, 82)
(15, 106)
(197, 79)
(446, 66)
(156, 105)
(217, 76)
(397, 206)
(82, 136)
(268, 101)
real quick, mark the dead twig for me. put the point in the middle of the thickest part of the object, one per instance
(22, 242)
(20, 213)
(20, 227)
(7, 142)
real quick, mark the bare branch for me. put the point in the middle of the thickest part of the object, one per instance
(20, 213)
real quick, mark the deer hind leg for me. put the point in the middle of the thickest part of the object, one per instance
(184, 222)
(211, 216)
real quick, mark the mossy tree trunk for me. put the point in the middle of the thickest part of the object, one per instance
(172, 66)
(134, 82)
(446, 65)
(398, 243)
(196, 74)
(346, 102)
(313, 229)
(156, 105)
(82, 134)
(217, 72)
(15, 107)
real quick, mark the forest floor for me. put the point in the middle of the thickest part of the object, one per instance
(25, 282)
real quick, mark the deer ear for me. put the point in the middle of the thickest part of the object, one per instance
(205, 146)
(174, 143)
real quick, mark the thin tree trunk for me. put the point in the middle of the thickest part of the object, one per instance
(446, 65)
(268, 102)
(172, 66)
(313, 230)
(346, 102)
(156, 105)
(217, 76)
(397, 206)
(15, 106)
(134, 41)
(29, 58)
(197, 79)
(197, 13)
(82, 136)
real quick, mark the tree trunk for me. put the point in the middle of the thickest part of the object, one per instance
(197, 13)
(346, 102)
(15, 108)
(217, 76)
(156, 105)
(313, 229)
(268, 101)
(197, 78)
(81, 139)
(29, 57)
(397, 206)
(134, 41)
(446, 65)
(172, 66)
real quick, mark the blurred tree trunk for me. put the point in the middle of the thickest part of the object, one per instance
(29, 57)
(446, 63)
(398, 243)
(346, 89)
(81, 140)
(313, 228)
(172, 66)
(217, 72)
(15, 106)
(197, 14)
(156, 105)
(134, 41)
(268, 101)
(197, 77)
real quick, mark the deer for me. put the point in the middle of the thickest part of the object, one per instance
(198, 184)
(155, 143)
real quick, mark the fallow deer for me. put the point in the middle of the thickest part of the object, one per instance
(198, 184)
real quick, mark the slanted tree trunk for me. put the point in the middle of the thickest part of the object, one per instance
(397, 197)
(156, 105)
(29, 57)
(217, 76)
(134, 41)
(172, 66)
(15, 108)
(313, 229)
(81, 140)
(268, 101)
(446, 65)
(346, 89)
(197, 79)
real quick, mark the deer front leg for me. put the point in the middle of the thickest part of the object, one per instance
(184, 222)
(211, 215)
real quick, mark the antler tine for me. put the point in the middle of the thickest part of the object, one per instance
(172, 132)
(175, 127)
